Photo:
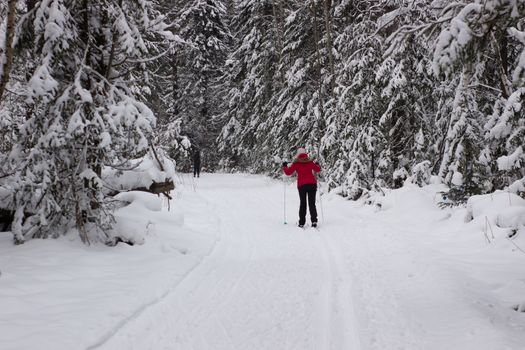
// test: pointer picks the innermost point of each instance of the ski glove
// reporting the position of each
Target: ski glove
(285, 164)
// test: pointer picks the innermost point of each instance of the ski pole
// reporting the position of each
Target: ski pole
(193, 184)
(321, 177)
(284, 199)
(321, 203)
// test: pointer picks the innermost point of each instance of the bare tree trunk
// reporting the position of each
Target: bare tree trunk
(277, 15)
(501, 57)
(112, 51)
(313, 9)
(8, 49)
(111, 56)
(277, 23)
(175, 86)
(328, 27)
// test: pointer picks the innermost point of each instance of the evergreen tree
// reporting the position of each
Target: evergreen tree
(164, 99)
(298, 116)
(403, 76)
(200, 64)
(475, 33)
(84, 113)
(251, 82)
(459, 167)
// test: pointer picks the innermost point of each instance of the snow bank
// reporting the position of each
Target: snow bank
(409, 204)
(500, 212)
(60, 294)
(489, 204)
(135, 221)
(141, 199)
(430, 264)
(499, 209)
(483, 243)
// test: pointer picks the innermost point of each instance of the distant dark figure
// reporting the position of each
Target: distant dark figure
(196, 163)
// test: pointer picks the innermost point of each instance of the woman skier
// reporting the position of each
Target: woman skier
(306, 183)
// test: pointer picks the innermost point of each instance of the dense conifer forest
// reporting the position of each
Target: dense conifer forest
(380, 92)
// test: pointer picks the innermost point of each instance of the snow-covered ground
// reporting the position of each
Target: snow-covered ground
(221, 271)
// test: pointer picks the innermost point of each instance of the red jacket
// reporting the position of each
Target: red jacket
(305, 169)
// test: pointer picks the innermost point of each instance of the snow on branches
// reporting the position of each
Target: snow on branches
(86, 111)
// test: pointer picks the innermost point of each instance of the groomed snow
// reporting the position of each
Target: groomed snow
(221, 271)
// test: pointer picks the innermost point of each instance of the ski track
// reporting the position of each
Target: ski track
(343, 332)
(368, 279)
(356, 283)
(139, 311)
(263, 286)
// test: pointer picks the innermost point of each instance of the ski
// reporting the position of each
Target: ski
(305, 227)
(301, 227)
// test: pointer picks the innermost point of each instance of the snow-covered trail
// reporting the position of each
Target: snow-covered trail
(231, 276)
(366, 280)
(264, 286)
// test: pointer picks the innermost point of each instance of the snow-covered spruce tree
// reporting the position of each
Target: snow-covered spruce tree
(505, 129)
(164, 102)
(365, 163)
(353, 144)
(460, 167)
(381, 129)
(252, 79)
(299, 112)
(360, 83)
(200, 63)
(475, 44)
(404, 76)
(289, 82)
(90, 71)
(164, 99)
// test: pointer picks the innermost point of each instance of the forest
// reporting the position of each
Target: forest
(381, 92)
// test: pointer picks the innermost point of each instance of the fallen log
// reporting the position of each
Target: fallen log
(162, 187)
(157, 188)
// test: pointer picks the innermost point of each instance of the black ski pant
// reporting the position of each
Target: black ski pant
(197, 170)
(309, 191)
